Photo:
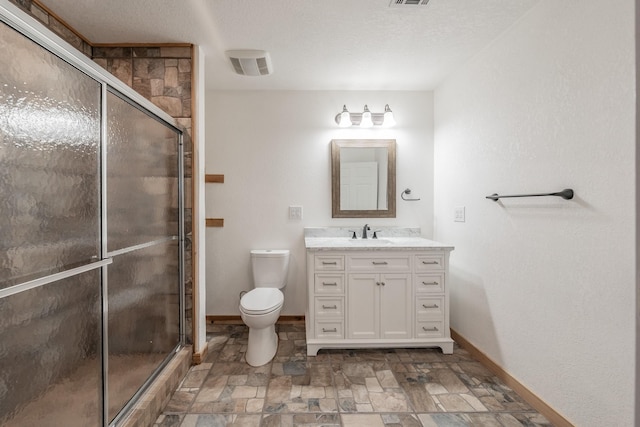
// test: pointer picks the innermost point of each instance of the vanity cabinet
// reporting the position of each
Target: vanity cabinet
(378, 298)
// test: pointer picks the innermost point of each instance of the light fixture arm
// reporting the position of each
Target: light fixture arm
(356, 118)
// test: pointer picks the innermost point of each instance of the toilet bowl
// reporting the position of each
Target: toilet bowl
(260, 308)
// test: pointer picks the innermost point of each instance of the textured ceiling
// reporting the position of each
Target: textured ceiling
(314, 44)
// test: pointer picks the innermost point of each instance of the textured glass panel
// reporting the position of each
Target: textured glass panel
(50, 365)
(142, 177)
(144, 313)
(49, 174)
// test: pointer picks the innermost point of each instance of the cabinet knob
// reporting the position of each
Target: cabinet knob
(430, 283)
(329, 263)
(330, 330)
(379, 262)
(329, 284)
(430, 306)
(434, 329)
(430, 262)
(330, 307)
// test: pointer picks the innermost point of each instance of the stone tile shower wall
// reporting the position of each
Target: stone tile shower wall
(56, 25)
(161, 74)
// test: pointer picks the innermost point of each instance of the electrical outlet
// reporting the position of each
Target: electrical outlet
(295, 213)
(458, 214)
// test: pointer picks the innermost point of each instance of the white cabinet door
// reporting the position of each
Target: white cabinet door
(363, 297)
(395, 306)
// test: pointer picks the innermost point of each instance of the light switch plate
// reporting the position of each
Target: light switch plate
(295, 213)
(459, 215)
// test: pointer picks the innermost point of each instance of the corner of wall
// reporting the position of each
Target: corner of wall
(199, 242)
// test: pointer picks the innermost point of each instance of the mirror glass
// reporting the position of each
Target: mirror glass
(363, 178)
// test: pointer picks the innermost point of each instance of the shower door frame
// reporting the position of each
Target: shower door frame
(42, 36)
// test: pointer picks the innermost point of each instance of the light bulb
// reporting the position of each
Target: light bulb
(388, 120)
(366, 121)
(345, 118)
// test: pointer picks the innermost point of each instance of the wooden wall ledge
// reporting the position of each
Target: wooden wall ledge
(214, 178)
(215, 222)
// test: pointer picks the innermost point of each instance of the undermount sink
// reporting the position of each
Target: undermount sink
(369, 242)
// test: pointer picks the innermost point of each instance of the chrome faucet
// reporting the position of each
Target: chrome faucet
(364, 231)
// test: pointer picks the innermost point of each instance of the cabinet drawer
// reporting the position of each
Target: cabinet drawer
(429, 329)
(429, 283)
(429, 262)
(330, 329)
(329, 283)
(379, 263)
(329, 307)
(429, 308)
(329, 262)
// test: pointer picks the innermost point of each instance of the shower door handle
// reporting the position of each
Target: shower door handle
(36, 283)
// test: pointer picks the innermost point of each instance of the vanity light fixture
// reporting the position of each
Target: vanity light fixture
(365, 119)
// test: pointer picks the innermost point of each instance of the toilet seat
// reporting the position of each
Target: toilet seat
(261, 301)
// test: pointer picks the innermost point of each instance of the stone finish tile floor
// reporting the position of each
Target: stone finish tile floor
(380, 387)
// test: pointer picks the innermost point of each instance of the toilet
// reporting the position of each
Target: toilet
(260, 307)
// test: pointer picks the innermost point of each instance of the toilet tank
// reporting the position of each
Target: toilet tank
(270, 267)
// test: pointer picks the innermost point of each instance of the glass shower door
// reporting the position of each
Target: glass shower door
(91, 236)
(50, 219)
(143, 239)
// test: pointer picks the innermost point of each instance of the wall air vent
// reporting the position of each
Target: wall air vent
(249, 62)
(399, 3)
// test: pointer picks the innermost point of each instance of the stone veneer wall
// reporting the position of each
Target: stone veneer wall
(56, 25)
(160, 73)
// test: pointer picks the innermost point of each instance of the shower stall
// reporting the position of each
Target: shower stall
(91, 235)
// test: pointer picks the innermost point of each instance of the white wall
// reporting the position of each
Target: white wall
(546, 287)
(274, 150)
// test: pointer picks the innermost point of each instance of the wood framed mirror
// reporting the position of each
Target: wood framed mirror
(363, 178)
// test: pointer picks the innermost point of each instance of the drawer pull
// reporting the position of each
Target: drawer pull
(434, 329)
(430, 306)
(329, 263)
(379, 262)
(330, 330)
(430, 283)
(431, 262)
(330, 307)
(329, 284)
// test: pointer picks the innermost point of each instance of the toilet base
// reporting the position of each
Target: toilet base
(262, 345)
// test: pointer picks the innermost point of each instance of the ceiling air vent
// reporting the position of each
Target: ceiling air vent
(249, 62)
(398, 3)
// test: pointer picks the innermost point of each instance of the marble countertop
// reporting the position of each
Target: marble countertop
(389, 238)
(380, 244)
